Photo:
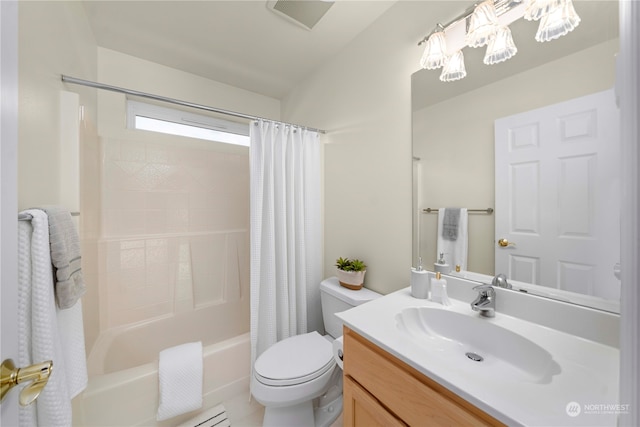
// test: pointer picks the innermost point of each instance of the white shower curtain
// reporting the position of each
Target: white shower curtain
(285, 233)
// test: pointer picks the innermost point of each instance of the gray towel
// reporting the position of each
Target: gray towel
(65, 257)
(450, 223)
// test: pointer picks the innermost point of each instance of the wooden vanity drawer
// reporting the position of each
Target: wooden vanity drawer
(404, 391)
(362, 409)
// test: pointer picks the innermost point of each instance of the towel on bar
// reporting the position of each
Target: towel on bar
(455, 251)
(450, 223)
(180, 380)
(39, 335)
(65, 256)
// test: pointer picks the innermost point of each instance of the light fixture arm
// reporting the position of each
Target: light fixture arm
(502, 7)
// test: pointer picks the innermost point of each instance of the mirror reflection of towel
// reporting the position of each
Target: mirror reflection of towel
(450, 223)
(455, 251)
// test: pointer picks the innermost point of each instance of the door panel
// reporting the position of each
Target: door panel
(8, 198)
(557, 195)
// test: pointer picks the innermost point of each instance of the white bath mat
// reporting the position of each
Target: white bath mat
(214, 417)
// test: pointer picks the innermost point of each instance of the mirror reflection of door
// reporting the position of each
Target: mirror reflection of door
(557, 195)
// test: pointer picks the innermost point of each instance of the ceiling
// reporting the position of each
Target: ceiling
(241, 43)
(244, 44)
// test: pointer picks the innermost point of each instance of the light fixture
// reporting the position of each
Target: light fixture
(558, 22)
(536, 9)
(483, 24)
(487, 23)
(435, 51)
(453, 68)
(501, 47)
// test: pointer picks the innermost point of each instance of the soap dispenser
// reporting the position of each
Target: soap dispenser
(419, 281)
(441, 265)
(439, 290)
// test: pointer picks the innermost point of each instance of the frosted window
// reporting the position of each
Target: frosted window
(176, 122)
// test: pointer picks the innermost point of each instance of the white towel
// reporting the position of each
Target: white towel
(180, 380)
(455, 251)
(71, 328)
(38, 323)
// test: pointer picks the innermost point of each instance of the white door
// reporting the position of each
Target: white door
(8, 198)
(557, 195)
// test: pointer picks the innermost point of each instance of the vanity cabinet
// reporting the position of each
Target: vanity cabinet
(382, 390)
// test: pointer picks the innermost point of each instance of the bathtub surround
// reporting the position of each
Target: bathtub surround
(285, 232)
(175, 227)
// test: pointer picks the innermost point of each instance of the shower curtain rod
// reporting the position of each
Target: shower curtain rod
(76, 81)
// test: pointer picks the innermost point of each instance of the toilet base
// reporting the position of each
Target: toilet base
(304, 414)
(325, 415)
(319, 412)
(289, 416)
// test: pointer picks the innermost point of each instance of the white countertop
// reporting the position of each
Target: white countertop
(588, 370)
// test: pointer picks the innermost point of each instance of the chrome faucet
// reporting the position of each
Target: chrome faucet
(501, 281)
(485, 303)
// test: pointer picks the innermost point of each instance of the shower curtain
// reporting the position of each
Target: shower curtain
(285, 233)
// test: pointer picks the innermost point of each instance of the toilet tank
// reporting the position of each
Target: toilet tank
(335, 298)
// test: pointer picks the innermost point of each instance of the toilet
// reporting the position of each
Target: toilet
(298, 379)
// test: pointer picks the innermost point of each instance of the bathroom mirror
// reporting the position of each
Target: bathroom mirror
(454, 139)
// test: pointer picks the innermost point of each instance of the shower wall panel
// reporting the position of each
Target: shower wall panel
(175, 221)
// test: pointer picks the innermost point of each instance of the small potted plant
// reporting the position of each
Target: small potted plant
(351, 273)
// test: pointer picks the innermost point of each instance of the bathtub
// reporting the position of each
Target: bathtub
(129, 397)
(123, 365)
(129, 346)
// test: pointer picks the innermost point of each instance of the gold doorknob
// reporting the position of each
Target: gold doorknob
(504, 243)
(11, 376)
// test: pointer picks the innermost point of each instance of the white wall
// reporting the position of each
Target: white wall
(55, 39)
(362, 97)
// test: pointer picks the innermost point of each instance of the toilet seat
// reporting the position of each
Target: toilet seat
(295, 360)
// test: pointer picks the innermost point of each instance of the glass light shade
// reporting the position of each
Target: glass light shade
(559, 22)
(453, 68)
(483, 24)
(536, 9)
(434, 52)
(501, 47)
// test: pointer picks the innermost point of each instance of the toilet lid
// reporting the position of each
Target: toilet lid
(295, 360)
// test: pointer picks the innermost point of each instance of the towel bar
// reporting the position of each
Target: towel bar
(435, 210)
(28, 217)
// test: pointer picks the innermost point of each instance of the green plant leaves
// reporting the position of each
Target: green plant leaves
(346, 264)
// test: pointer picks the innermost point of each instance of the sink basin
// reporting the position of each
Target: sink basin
(476, 345)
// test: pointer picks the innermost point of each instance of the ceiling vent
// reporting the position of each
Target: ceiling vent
(305, 13)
